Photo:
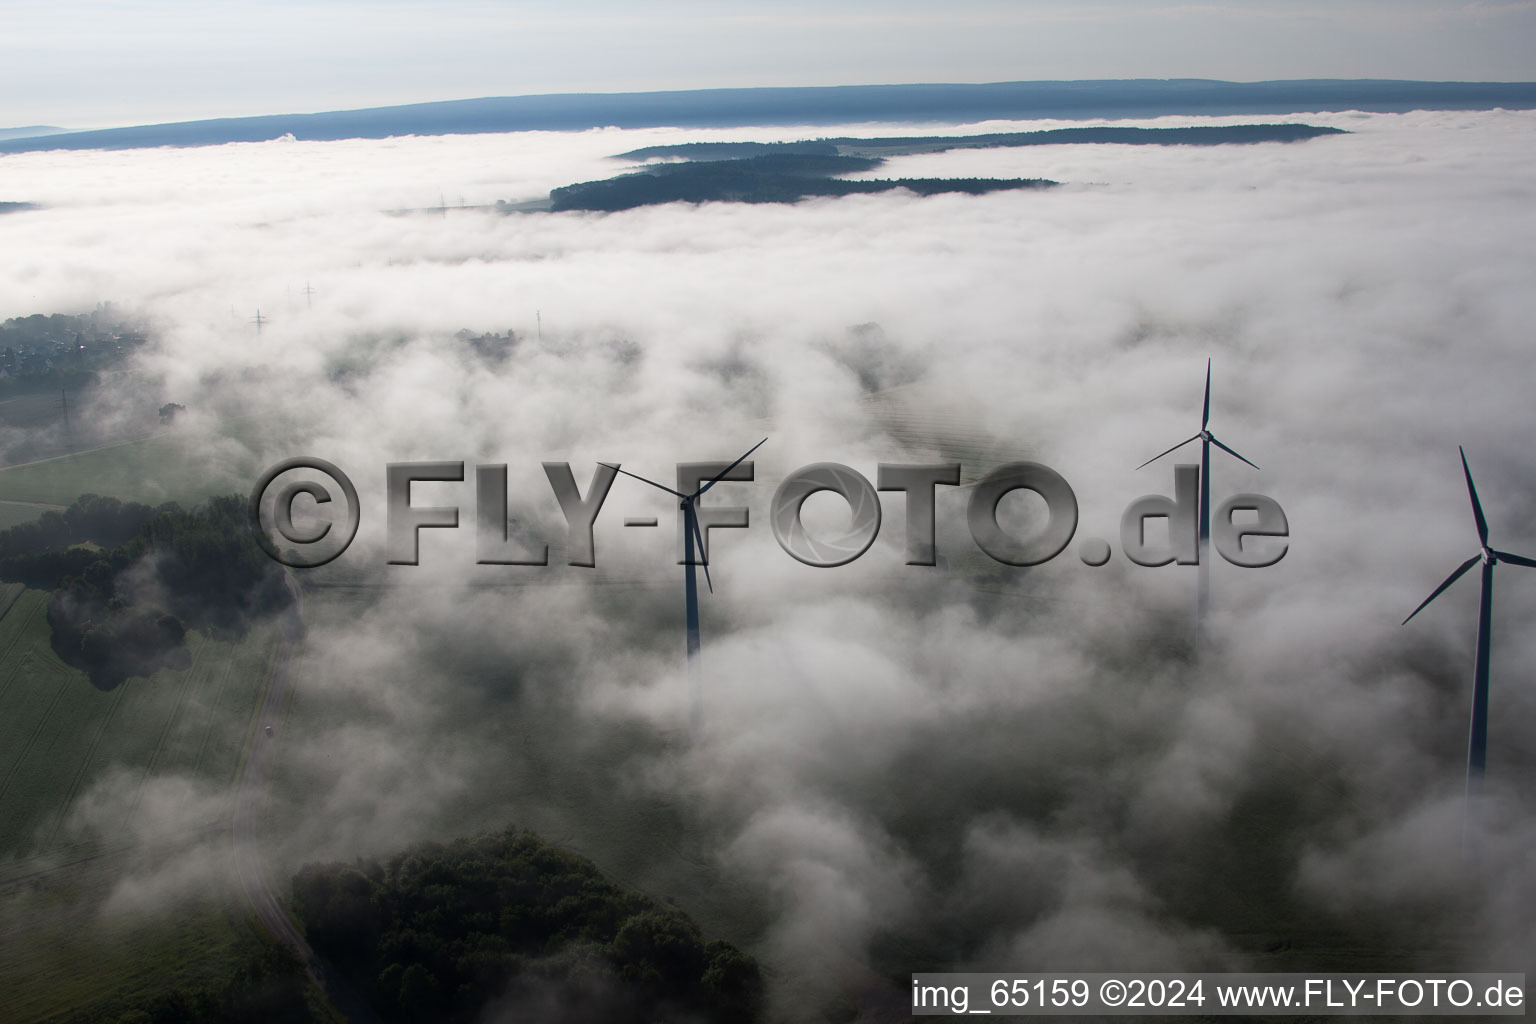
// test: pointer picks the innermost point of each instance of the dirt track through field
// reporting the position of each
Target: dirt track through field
(248, 860)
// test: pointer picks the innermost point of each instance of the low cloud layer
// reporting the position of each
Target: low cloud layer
(900, 767)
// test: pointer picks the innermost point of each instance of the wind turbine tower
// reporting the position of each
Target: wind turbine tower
(692, 556)
(1203, 547)
(1477, 738)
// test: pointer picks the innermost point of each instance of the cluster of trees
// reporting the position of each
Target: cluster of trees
(490, 346)
(446, 932)
(104, 521)
(779, 177)
(772, 178)
(129, 580)
(110, 639)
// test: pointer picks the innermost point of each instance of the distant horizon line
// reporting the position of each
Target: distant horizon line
(750, 106)
(786, 88)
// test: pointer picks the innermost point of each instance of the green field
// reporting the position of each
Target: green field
(60, 958)
(58, 732)
(62, 954)
(59, 736)
(152, 470)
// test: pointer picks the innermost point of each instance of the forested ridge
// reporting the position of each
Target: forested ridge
(779, 177)
(1192, 135)
(786, 172)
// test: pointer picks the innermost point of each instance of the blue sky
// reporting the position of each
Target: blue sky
(90, 63)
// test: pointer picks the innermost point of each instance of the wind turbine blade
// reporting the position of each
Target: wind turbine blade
(698, 535)
(1175, 448)
(1205, 416)
(720, 475)
(615, 467)
(1229, 451)
(1477, 506)
(1452, 578)
(1505, 556)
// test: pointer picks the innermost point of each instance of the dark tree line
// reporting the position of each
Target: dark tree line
(506, 923)
(1196, 135)
(104, 521)
(129, 580)
(771, 178)
(729, 150)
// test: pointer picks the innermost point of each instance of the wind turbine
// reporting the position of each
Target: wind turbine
(1477, 740)
(692, 534)
(1203, 552)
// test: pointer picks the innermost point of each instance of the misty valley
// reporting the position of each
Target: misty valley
(347, 674)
